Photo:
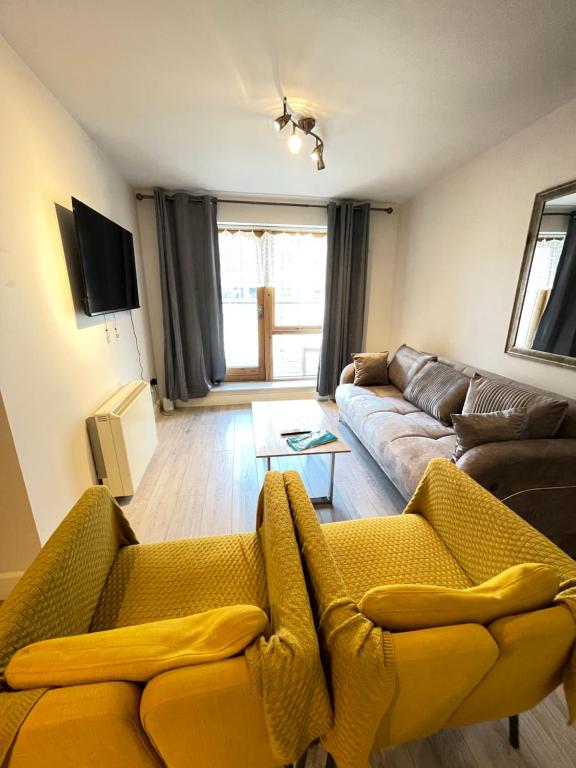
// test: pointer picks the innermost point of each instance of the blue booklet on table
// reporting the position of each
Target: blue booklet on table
(311, 440)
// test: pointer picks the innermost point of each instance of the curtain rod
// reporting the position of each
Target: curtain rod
(140, 196)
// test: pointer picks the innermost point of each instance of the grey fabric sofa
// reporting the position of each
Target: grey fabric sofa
(535, 478)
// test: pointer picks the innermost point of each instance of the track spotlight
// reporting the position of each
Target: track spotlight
(317, 155)
(306, 126)
(282, 121)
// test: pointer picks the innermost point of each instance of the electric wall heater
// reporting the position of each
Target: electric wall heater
(123, 438)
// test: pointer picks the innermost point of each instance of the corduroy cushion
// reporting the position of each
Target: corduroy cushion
(405, 364)
(438, 390)
(139, 652)
(404, 607)
(370, 369)
(474, 429)
(545, 413)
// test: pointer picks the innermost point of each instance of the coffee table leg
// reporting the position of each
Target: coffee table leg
(331, 494)
(320, 500)
(268, 463)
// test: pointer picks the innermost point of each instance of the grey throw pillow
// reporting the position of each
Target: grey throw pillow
(545, 413)
(439, 390)
(405, 364)
(474, 429)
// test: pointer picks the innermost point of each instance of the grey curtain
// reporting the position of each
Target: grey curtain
(347, 258)
(557, 329)
(191, 293)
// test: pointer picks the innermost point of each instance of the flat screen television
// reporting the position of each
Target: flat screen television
(107, 262)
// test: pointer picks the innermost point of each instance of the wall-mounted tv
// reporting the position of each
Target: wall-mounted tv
(107, 262)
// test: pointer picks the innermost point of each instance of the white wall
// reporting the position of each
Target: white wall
(55, 364)
(19, 540)
(382, 248)
(460, 249)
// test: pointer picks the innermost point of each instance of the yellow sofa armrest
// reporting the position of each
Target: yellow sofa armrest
(482, 534)
(137, 653)
(404, 607)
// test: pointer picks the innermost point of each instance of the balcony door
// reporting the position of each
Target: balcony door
(273, 285)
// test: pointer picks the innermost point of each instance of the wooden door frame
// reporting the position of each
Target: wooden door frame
(255, 373)
(267, 329)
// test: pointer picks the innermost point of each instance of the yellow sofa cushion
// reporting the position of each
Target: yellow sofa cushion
(139, 652)
(85, 726)
(401, 607)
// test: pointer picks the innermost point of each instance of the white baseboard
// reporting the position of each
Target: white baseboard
(8, 581)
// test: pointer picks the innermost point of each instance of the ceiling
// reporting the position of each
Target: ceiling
(182, 93)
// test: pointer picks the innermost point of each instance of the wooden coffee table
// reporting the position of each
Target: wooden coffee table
(270, 418)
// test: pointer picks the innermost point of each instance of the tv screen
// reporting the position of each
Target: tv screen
(107, 262)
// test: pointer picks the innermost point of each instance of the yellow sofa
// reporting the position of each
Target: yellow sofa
(392, 687)
(259, 709)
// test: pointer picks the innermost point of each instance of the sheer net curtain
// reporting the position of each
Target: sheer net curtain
(294, 264)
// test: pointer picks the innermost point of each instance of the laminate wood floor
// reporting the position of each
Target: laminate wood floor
(204, 479)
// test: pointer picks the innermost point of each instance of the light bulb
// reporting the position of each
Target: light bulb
(294, 143)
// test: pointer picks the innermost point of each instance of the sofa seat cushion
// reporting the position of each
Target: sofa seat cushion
(360, 408)
(406, 459)
(150, 582)
(533, 650)
(85, 726)
(380, 429)
(227, 713)
(396, 549)
(436, 669)
(383, 398)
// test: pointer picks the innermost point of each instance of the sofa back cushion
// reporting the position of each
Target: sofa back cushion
(405, 607)
(439, 390)
(474, 429)
(405, 364)
(568, 424)
(545, 413)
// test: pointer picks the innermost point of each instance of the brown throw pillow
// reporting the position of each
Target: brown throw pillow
(370, 368)
(474, 429)
(405, 364)
(545, 413)
(439, 390)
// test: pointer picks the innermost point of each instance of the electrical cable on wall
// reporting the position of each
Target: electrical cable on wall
(137, 347)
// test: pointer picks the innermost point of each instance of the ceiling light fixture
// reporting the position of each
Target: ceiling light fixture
(306, 125)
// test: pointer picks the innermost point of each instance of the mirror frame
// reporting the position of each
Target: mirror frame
(533, 229)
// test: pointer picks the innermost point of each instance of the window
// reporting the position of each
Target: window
(273, 286)
(544, 265)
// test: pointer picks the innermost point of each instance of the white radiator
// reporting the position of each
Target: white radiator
(123, 438)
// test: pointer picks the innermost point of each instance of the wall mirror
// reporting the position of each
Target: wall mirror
(543, 324)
